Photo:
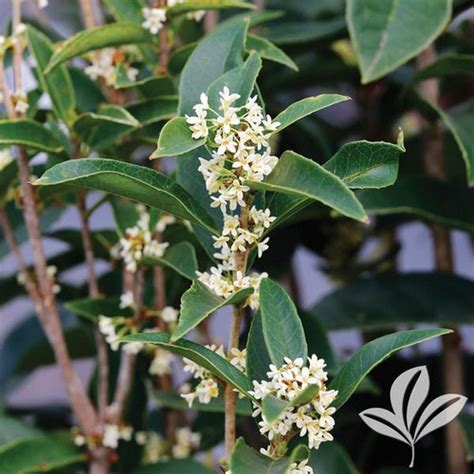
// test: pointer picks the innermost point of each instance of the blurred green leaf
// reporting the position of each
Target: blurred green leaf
(267, 50)
(180, 257)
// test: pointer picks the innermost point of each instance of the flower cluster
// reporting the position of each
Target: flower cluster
(239, 139)
(115, 328)
(139, 242)
(51, 271)
(208, 386)
(105, 65)
(155, 18)
(110, 438)
(313, 419)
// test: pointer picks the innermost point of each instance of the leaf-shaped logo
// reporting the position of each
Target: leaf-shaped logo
(406, 423)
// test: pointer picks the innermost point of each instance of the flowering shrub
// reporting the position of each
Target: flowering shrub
(190, 150)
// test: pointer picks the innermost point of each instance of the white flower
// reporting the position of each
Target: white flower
(161, 363)
(262, 246)
(169, 314)
(154, 19)
(301, 468)
(111, 436)
(126, 300)
(239, 358)
(20, 29)
(20, 100)
(185, 442)
(43, 3)
(164, 222)
(132, 347)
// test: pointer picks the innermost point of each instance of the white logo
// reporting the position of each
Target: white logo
(406, 422)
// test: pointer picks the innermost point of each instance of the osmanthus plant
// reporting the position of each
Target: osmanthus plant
(235, 187)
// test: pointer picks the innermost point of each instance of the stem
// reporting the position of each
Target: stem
(18, 51)
(452, 355)
(7, 99)
(412, 462)
(210, 20)
(88, 13)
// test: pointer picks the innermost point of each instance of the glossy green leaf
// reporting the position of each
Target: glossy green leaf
(273, 407)
(372, 354)
(132, 181)
(258, 359)
(467, 425)
(300, 177)
(176, 139)
(282, 328)
(424, 197)
(198, 303)
(216, 405)
(126, 10)
(185, 7)
(201, 355)
(449, 64)
(30, 134)
(387, 34)
(267, 50)
(305, 396)
(180, 257)
(92, 308)
(13, 429)
(332, 458)
(150, 87)
(240, 80)
(150, 111)
(245, 460)
(112, 34)
(88, 93)
(305, 107)
(39, 454)
(57, 84)
(298, 32)
(217, 53)
(364, 164)
(388, 300)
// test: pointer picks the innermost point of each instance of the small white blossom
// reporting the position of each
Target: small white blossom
(155, 18)
(127, 300)
(132, 347)
(20, 100)
(169, 314)
(161, 363)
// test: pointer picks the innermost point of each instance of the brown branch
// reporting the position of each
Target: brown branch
(452, 354)
(18, 50)
(7, 99)
(211, 20)
(88, 14)
(260, 4)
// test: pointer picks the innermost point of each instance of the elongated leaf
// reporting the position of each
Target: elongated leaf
(154, 110)
(240, 80)
(176, 139)
(112, 34)
(150, 87)
(39, 454)
(180, 257)
(424, 197)
(267, 50)
(200, 355)
(58, 84)
(444, 408)
(258, 359)
(282, 328)
(125, 10)
(372, 354)
(305, 107)
(92, 308)
(245, 460)
(132, 181)
(216, 405)
(298, 176)
(198, 303)
(28, 133)
(185, 7)
(449, 64)
(388, 300)
(387, 35)
(332, 458)
(364, 164)
(460, 122)
(217, 53)
(12, 430)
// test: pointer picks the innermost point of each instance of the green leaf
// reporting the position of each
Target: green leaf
(39, 454)
(387, 35)
(112, 34)
(7, 176)
(245, 460)
(298, 176)
(267, 50)
(388, 300)
(198, 303)
(364, 164)
(124, 10)
(332, 458)
(176, 139)
(305, 396)
(30, 134)
(185, 7)
(180, 257)
(201, 355)
(258, 359)
(92, 308)
(460, 122)
(297, 32)
(58, 84)
(305, 107)
(449, 64)
(372, 354)
(12, 430)
(467, 425)
(282, 328)
(216, 405)
(132, 181)
(217, 53)
(88, 93)
(273, 407)
(425, 197)
(150, 87)
(240, 80)
(150, 111)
